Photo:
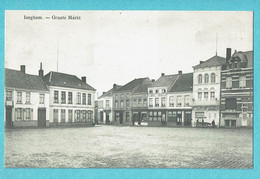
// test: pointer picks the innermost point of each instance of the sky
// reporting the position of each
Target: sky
(115, 47)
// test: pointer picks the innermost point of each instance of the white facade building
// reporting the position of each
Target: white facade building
(206, 91)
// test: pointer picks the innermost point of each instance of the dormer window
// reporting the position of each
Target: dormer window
(150, 91)
(163, 90)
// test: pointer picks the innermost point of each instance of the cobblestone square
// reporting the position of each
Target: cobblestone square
(129, 147)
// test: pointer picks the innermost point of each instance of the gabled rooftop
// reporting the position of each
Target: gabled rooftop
(65, 80)
(183, 83)
(134, 84)
(110, 92)
(246, 56)
(165, 80)
(213, 61)
(18, 79)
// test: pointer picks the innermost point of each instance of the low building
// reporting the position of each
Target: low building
(179, 97)
(71, 99)
(122, 101)
(105, 106)
(26, 99)
(237, 90)
(206, 91)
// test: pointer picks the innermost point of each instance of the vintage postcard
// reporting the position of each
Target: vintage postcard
(128, 89)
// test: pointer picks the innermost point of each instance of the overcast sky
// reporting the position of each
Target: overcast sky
(118, 46)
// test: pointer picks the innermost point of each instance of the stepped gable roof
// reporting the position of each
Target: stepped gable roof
(134, 84)
(65, 80)
(166, 80)
(214, 61)
(244, 56)
(110, 92)
(18, 79)
(183, 83)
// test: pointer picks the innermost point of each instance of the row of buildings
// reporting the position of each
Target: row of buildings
(219, 89)
(42, 100)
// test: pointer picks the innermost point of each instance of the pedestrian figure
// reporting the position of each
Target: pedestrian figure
(213, 123)
(197, 123)
(133, 121)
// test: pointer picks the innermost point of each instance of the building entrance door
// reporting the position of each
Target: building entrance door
(107, 118)
(187, 119)
(121, 118)
(8, 117)
(41, 117)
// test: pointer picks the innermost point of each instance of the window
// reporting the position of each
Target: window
(56, 96)
(199, 96)
(9, 95)
(84, 115)
(163, 102)
(206, 78)
(163, 91)
(134, 102)
(186, 100)
(63, 97)
(42, 98)
(139, 102)
(70, 115)
(231, 103)
(212, 95)
(145, 102)
(242, 81)
(150, 91)
(156, 102)
(206, 95)
(107, 103)
(200, 79)
(213, 78)
(122, 95)
(151, 102)
(121, 104)
(19, 97)
(127, 103)
(116, 104)
(179, 101)
(19, 113)
(28, 98)
(69, 97)
(62, 115)
(156, 91)
(229, 82)
(77, 115)
(84, 100)
(78, 98)
(116, 96)
(55, 115)
(171, 101)
(89, 99)
(27, 114)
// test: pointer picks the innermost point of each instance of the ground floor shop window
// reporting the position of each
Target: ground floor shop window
(230, 123)
(84, 116)
(157, 116)
(62, 115)
(77, 115)
(28, 114)
(179, 118)
(19, 113)
(127, 116)
(117, 116)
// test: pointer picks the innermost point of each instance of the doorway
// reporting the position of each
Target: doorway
(41, 117)
(8, 117)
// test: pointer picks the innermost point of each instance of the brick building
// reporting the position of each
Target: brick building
(237, 90)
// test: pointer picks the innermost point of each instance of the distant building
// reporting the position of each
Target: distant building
(122, 100)
(206, 90)
(237, 90)
(26, 99)
(71, 99)
(179, 98)
(105, 106)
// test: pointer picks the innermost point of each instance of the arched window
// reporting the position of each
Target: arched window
(206, 78)
(200, 79)
(213, 78)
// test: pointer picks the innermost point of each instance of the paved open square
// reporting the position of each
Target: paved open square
(129, 147)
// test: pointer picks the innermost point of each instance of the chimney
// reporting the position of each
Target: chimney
(84, 79)
(162, 74)
(153, 80)
(114, 87)
(179, 72)
(228, 54)
(201, 62)
(41, 71)
(22, 67)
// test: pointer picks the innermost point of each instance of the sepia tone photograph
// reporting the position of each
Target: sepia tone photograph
(128, 89)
